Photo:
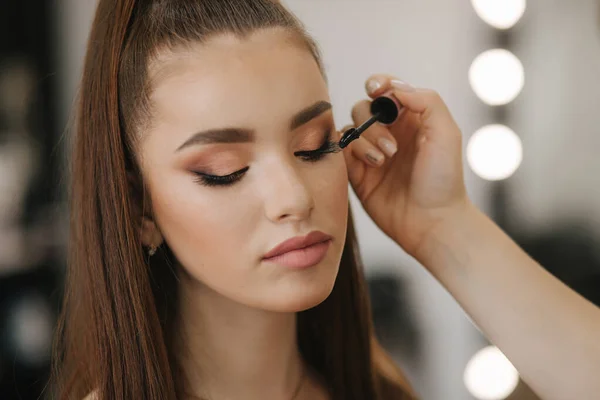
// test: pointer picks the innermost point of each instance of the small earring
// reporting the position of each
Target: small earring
(152, 251)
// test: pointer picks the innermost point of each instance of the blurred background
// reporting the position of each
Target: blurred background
(520, 77)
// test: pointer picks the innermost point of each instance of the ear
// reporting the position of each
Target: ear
(150, 233)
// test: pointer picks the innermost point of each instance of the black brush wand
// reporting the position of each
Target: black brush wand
(384, 109)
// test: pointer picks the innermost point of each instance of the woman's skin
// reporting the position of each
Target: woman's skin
(549, 332)
(237, 312)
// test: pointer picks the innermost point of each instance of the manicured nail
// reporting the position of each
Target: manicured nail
(387, 146)
(374, 157)
(405, 87)
(372, 85)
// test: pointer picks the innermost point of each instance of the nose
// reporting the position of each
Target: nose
(287, 196)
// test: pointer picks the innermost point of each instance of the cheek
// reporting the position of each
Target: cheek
(201, 228)
(339, 180)
(331, 192)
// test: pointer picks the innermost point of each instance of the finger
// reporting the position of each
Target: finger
(377, 134)
(378, 84)
(416, 100)
(428, 103)
(367, 152)
(363, 151)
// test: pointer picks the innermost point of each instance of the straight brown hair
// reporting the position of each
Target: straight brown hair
(114, 331)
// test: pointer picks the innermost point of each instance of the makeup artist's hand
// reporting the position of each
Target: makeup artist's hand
(417, 196)
(414, 189)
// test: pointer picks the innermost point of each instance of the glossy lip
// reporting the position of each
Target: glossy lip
(298, 242)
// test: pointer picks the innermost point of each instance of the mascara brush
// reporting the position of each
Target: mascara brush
(384, 109)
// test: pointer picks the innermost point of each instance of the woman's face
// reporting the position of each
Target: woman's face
(245, 105)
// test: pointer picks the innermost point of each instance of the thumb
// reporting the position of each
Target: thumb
(425, 102)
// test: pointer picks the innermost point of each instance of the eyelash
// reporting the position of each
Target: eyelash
(226, 180)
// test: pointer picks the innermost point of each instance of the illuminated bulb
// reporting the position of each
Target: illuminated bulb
(30, 330)
(489, 375)
(494, 152)
(496, 76)
(501, 14)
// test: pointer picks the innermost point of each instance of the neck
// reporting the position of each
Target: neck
(220, 342)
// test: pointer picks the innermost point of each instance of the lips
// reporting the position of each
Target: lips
(298, 242)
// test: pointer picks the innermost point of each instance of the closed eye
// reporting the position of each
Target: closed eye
(220, 180)
(308, 155)
(315, 155)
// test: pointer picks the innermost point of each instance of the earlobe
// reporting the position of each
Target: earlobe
(150, 234)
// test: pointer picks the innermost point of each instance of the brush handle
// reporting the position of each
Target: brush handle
(385, 110)
(348, 137)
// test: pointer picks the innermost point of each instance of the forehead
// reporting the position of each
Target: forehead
(236, 81)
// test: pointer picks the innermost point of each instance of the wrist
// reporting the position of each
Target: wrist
(445, 232)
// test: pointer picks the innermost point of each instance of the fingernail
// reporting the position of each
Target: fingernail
(402, 86)
(372, 85)
(387, 146)
(374, 157)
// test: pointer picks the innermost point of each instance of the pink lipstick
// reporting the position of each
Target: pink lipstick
(301, 251)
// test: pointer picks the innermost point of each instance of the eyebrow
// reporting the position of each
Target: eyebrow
(309, 113)
(244, 135)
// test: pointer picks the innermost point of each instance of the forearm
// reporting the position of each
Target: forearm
(549, 332)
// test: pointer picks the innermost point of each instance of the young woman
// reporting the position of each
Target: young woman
(213, 254)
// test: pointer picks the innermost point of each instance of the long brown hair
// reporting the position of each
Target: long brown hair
(115, 326)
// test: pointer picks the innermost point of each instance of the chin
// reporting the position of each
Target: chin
(300, 296)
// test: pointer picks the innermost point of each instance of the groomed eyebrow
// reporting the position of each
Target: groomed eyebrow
(309, 113)
(244, 135)
(221, 135)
